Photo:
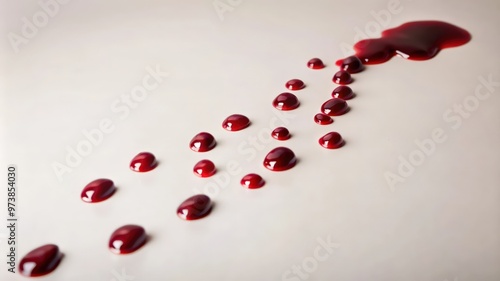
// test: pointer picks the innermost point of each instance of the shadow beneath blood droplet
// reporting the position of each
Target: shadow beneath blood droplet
(63, 255)
(297, 161)
(149, 238)
(212, 206)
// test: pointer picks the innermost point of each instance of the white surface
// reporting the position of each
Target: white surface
(442, 223)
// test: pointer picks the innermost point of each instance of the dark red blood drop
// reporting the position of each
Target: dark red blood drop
(40, 261)
(280, 159)
(127, 239)
(281, 133)
(323, 119)
(205, 168)
(342, 77)
(343, 92)
(236, 122)
(334, 107)
(419, 40)
(331, 140)
(252, 181)
(295, 84)
(315, 63)
(286, 101)
(351, 64)
(195, 207)
(202, 142)
(143, 162)
(98, 190)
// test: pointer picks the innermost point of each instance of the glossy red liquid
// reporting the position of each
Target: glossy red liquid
(143, 162)
(286, 101)
(331, 140)
(98, 190)
(315, 63)
(342, 77)
(343, 92)
(351, 64)
(419, 40)
(195, 207)
(280, 159)
(40, 261)
(334, 107)
(295, 84)
(252, 181)
(127, 239)
(323, 119)
(281, 133)
(236, 122)
(202, 142)
(205, 168)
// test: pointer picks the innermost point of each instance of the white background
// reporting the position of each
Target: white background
(441, 223)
